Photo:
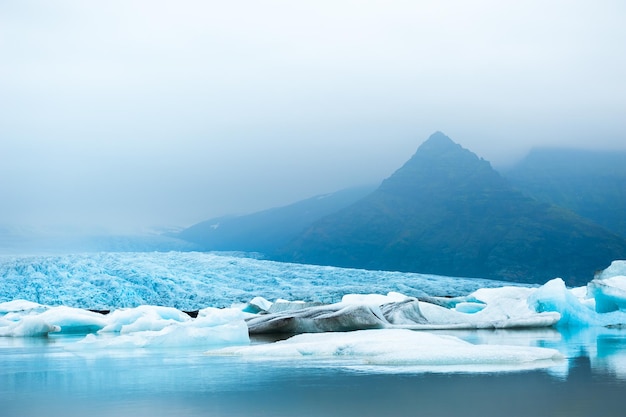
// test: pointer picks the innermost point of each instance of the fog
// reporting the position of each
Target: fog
(127, 115)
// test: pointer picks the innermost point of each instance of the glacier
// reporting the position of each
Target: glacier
(193, 280)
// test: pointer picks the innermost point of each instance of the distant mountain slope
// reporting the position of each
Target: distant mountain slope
(447, 212)
(16, 240)
(267, 230)
(590, 183)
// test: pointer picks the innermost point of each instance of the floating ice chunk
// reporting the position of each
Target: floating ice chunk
(74, 320)
(469, 307)
(282, 306)
(331, 318)
(554, 296)
(509, 300)
(609, 293)
(143, 318)
(582, 293)
(373, 299)
(193, 333)
(28, 326)
(20, 306)
(403, 313)
(608, 288)
(615, 269)
(506, 309)
(201, 334)
(399, 348)
(257, 305)
(212, 316)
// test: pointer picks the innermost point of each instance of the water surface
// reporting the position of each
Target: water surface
(41, 377)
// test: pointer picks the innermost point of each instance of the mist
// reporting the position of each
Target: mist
(130, 115)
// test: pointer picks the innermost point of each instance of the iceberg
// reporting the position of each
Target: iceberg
(149, 327)
(20, 306)
(490, 309)
(608, 288)
(601, 303)
(142, 318)
(73, 320)
(403, 348)
(181, 335)
(576, 309)
(30, 326)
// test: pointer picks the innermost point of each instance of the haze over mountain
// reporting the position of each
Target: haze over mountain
(130, 115)
(268, 230)
(448, 212)
(590, 183)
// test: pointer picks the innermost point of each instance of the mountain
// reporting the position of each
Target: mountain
(590, 183)
(448, 212)
(268, 230)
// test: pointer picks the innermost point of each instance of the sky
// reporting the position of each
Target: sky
(127, 115)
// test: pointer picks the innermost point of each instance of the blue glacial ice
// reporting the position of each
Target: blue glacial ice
(191, 280)
(601, 303)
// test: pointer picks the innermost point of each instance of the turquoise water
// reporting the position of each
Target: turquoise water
(40, 377)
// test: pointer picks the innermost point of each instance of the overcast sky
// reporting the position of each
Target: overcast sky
(131, 114)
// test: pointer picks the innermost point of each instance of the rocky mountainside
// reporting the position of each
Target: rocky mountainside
(447, 211)
(268, 230)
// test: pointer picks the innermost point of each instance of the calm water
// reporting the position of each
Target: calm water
(40, 377)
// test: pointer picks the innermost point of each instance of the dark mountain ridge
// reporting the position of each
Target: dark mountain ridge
(447, 212)
(268, 230)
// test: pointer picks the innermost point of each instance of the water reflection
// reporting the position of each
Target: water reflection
(42, 377)
(604, 348)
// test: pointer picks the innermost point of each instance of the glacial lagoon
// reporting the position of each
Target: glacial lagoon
(146, 360)
(41, 377)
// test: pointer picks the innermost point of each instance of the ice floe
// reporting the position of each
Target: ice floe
(196, 333)
(398, 348)
(494, 308)
(30, 326)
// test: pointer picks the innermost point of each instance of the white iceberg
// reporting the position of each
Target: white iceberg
(575, 311)
(496, 308)
(29, 326)
(20, 306)
(393, 348)
(608, 288)
(73, 320)
(148, 327)
(188, 334)
(143, 318)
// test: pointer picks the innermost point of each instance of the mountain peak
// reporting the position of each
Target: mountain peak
(439, 162)
(438, 142)
(448, 212)
(439, 138)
